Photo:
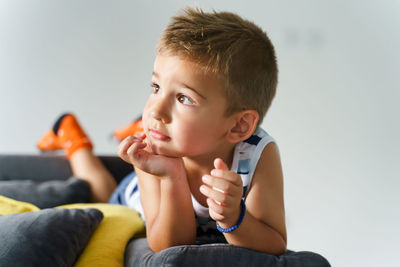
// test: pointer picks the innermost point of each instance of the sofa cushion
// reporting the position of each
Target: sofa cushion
(47, 194)
(49, 237)
(11, 206)
(108, 242)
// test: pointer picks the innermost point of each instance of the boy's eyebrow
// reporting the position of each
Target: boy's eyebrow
(155, 74)
(194, 90)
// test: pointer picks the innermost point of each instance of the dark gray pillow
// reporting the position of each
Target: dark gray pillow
(47, 194)
(138, 254)
(49, 237)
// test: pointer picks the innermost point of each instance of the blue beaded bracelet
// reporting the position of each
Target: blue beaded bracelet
(231, 229)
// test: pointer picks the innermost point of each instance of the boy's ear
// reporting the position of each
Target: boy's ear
(245, 123)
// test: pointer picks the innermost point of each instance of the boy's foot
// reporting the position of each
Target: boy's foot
(128, 130)
(66, 134)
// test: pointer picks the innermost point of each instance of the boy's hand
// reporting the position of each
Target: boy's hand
(135, 151)
(223, 189)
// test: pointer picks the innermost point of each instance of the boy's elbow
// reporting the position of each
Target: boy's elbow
(276, 247)
(279, 249)
(155, 247)
(157, 244)
(280, 244)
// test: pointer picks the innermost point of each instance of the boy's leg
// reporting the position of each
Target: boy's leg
(88, 167)
(68, 135)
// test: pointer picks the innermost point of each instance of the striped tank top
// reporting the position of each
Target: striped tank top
(245, 159)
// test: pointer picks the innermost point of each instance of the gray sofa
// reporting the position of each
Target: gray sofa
(43, 175)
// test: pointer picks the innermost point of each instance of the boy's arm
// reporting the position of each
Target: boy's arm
(263, 226)
(165, 195)
(168, 210)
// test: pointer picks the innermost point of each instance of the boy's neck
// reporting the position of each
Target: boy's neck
(198, 166)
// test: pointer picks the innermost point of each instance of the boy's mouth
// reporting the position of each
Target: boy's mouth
(158, 135)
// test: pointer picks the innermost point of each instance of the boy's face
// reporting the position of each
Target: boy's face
(185, 114)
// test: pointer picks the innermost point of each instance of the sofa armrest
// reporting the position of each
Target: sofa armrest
(51, 167)
(138, 254)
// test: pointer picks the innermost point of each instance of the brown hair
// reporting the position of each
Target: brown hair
(228, 45)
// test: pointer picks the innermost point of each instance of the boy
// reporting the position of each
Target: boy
(202, 162)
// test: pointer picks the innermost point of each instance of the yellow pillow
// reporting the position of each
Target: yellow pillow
(10, 206)
(107, 245)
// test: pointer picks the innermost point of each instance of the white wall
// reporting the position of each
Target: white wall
(335, 114)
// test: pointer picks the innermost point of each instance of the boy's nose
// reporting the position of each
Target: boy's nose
(160, 111)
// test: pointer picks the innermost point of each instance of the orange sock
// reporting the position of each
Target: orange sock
(130, 129)
(66, 134)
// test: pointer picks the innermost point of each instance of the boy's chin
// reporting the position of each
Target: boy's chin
(165, 152)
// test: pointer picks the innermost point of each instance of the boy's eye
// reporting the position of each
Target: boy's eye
(185, 100)
(155, 87)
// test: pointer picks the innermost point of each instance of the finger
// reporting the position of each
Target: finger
(222, 185)
(227, 216)
(220, 164)
(215, 211)
(123, 147)
(228, 175)
(141, 135)
(127, 142)
(214, 206)
(219, 197)
(128, 145)
(133, 149)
